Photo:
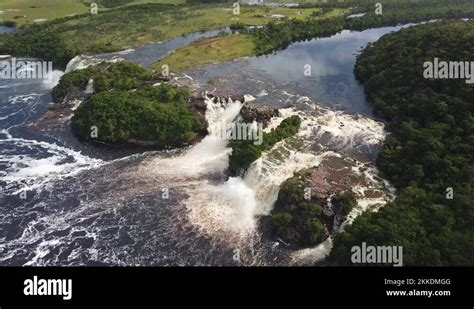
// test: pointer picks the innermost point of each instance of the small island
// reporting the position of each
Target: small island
(127, 105)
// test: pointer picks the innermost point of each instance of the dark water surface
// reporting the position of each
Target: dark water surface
(282, 75)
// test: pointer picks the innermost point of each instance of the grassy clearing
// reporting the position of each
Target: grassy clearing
(227, 48)
(27, 11)
(31, 11)
(136, 25)
(208, 51)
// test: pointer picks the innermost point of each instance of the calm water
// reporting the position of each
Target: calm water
(282, 75)
(5, 29)
(148, 54)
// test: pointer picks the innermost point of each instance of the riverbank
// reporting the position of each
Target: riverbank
(68, 37)
(208, 51)
(429, 155)
(268, 39)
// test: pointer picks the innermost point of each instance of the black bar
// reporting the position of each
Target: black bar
(267, 285)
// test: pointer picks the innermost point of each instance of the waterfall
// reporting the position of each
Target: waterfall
(90, 87)
(229, 210)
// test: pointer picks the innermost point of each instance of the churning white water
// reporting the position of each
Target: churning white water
(29, 163)
(229, 209)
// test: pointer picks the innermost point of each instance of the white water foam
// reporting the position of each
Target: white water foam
(29, 164)
(83, 62)
(36, 162)
(230, 211)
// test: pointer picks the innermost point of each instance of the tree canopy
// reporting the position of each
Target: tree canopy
(125, 107)
(430, 152)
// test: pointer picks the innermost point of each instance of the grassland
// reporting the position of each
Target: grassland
(32, 11)
(226, 48)
(136, 25)
(208, 51)
(27, 11)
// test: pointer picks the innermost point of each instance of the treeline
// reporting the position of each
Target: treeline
(244, 152)
(394, 13)
(277, 36)
(429, 155)
(109, 3)
(8, 23)
(122, 116)
(62, 39)
(160, 115)
(208, 1)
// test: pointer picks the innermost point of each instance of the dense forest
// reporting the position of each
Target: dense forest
(10, 24)
(429, 155)
(301, 218)
(61, 39)
(279, 35)
(244, 152)
(158, 114)
(121, 76)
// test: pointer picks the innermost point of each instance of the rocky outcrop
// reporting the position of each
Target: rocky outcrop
(261, 115)
(200, 107)
(311, 205)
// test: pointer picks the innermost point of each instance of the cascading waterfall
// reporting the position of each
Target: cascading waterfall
(90, 86)
(229, 212)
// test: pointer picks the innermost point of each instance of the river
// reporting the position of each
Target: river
(65, 206)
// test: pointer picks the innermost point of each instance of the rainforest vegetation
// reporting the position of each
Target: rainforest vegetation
(429, 155)
(279, 35)
(121, 76)
(244, 152)
(61, 39)
(158, 114)
(300, 219)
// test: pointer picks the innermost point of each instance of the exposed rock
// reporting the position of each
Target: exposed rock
(313, 203)
(259, 114)
(326, 180)
(199, 104)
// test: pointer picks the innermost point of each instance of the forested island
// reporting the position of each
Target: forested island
(126, 107)
(429, 155)
(280, 35)
(244, 152)
(305, 218)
